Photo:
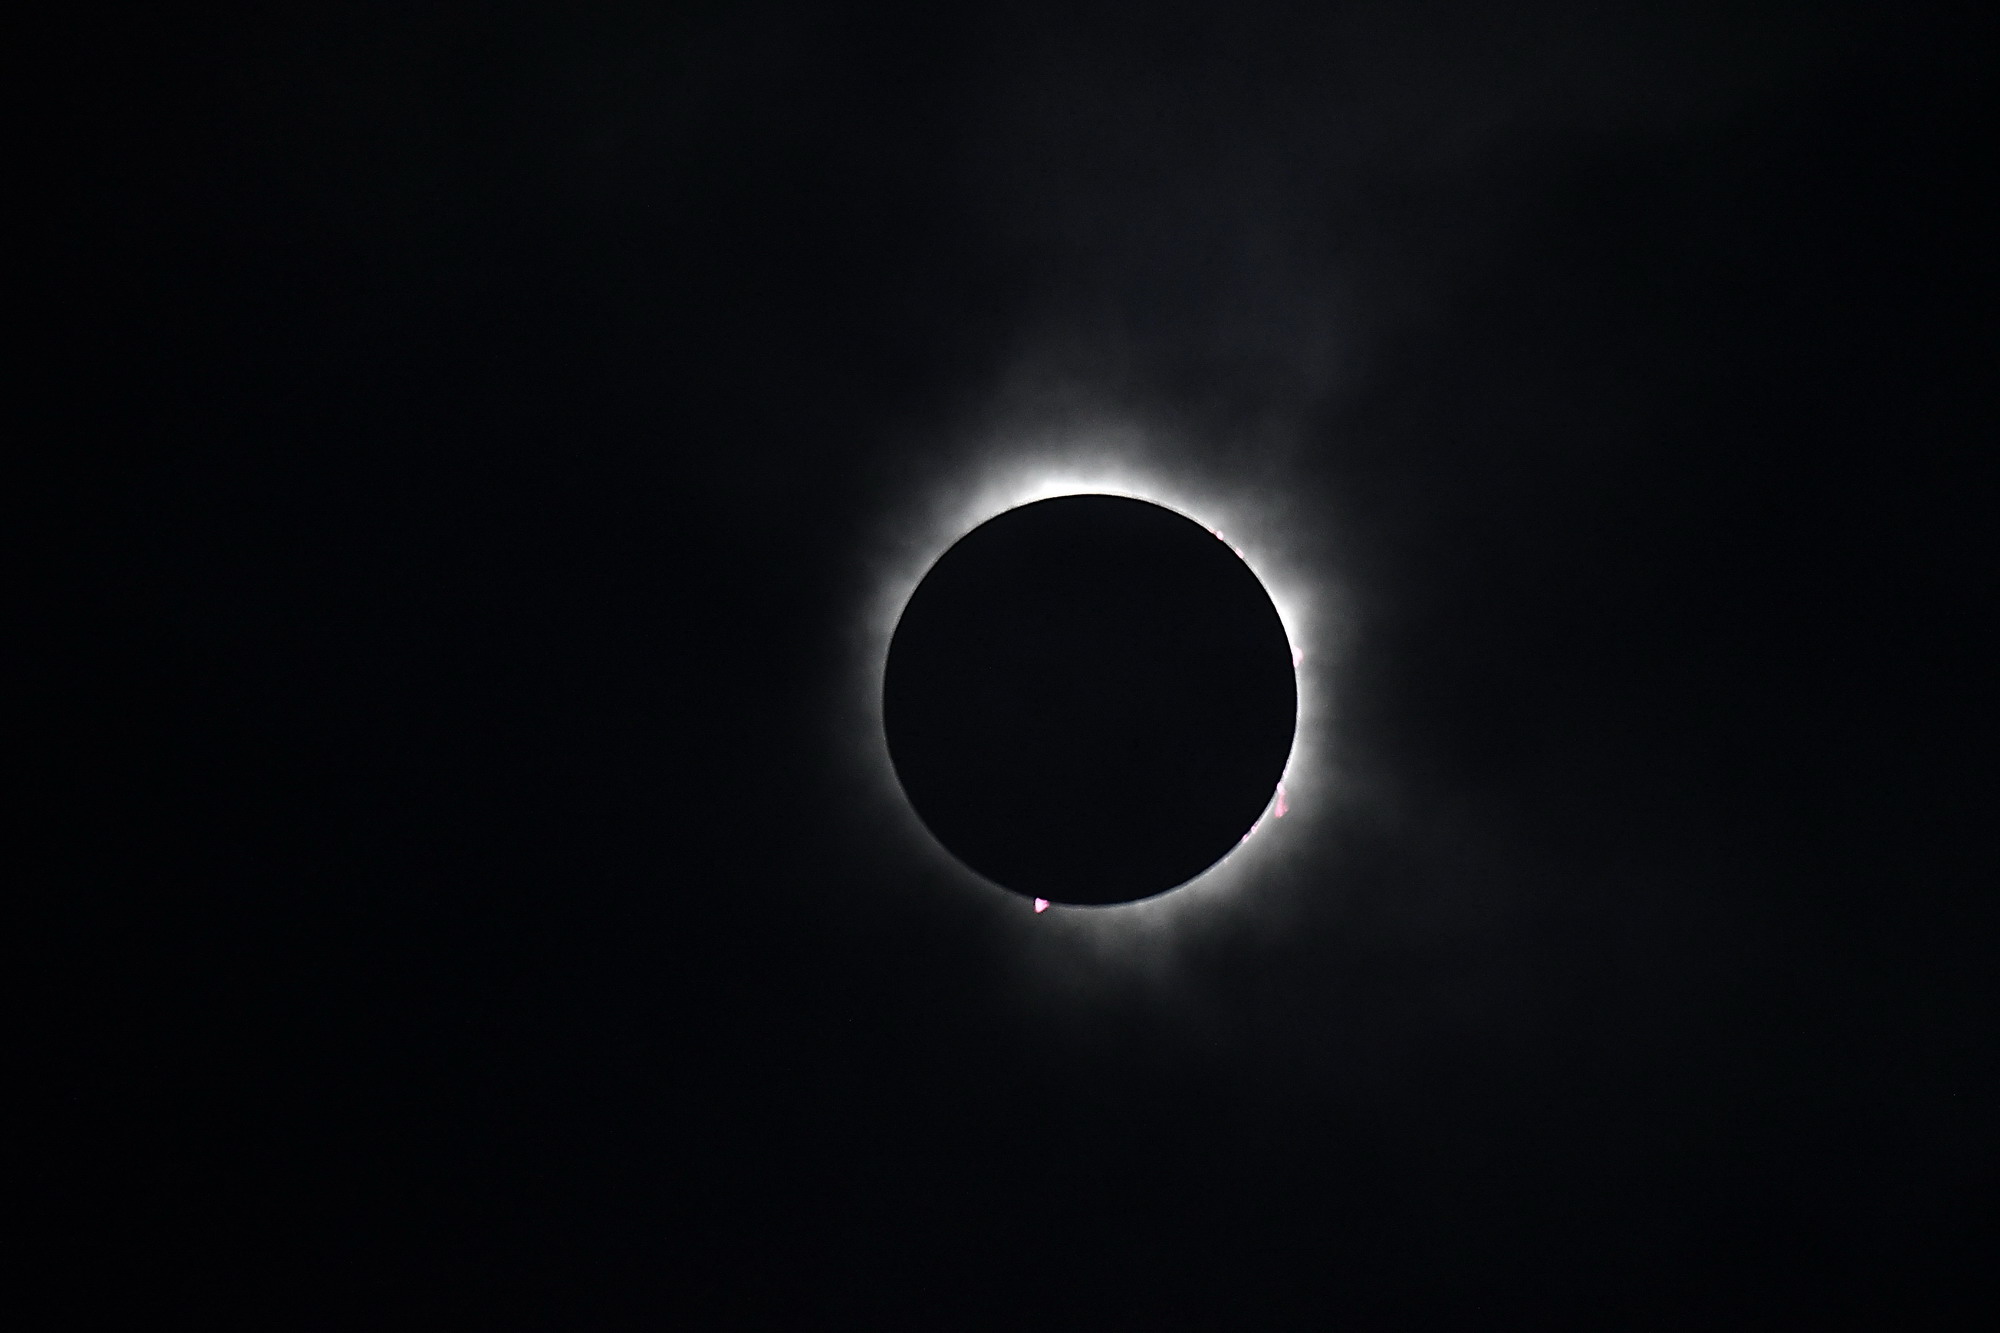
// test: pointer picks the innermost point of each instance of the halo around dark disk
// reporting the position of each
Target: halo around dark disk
(1089, 699)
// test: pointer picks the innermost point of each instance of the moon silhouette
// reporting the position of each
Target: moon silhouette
(1089, 699)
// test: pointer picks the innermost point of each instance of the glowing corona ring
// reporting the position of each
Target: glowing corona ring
(1261, 525)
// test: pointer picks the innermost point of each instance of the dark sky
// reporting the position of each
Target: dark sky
(499, 429)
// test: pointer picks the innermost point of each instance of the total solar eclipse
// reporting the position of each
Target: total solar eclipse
(1089, 699)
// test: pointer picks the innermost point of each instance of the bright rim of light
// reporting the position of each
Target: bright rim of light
(1253, 515)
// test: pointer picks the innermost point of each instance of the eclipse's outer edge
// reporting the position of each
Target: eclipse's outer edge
(1267, 528)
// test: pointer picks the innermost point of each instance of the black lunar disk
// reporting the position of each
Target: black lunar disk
(1089, 699)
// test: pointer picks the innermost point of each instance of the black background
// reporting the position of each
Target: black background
(466, 431)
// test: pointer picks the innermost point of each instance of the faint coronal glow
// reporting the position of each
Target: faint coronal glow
(1254, 515)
